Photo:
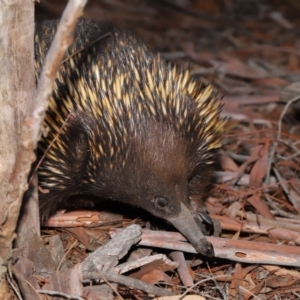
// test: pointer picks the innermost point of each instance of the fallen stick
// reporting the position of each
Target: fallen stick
(236, 250)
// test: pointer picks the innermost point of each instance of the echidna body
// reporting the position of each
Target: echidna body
(124, 125)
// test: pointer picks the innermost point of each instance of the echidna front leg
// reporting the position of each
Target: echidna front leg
(206, 224)
(202, 218)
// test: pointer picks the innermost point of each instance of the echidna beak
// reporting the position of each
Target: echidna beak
(186, 224)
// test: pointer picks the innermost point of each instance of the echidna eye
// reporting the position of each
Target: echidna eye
(161, 202)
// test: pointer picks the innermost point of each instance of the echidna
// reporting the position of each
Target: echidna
(125, 125)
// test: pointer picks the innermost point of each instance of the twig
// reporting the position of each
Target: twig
(129, 282)
(110, 285)
(60, 294)
(261, 221)
(278, 211)
(286, 107)
(182, 269)
(50, 146)
(35, 291)
(272, 155)
(198, 283)
(62, 40)
(13, 287)
(270, 162)
(292, 156)
(215, 282)
(85, 47)
(284, 187)
(65, 255)
(248, 292)
(237, 157)
(273, 149)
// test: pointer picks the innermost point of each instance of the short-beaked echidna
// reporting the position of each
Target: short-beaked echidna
(125, 125)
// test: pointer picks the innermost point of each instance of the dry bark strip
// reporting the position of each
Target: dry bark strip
(236, 250)
(260, 225)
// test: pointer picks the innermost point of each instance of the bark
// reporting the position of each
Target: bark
(16, 93)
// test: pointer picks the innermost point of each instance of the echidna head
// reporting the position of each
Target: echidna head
(153, 171)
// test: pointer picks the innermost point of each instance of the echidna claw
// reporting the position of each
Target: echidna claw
(207, 225)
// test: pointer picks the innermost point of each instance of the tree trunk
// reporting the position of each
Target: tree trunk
(17, 88)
